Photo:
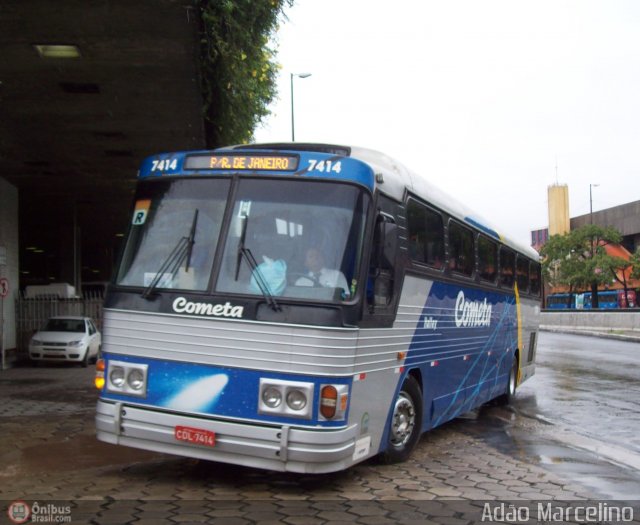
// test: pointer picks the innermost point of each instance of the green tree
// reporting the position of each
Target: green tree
(635, 263)
(617, 269)
(579, 259)
(239, 70)
(559, 266)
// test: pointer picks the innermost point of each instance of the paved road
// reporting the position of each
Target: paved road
(591, 385)
(48, 453)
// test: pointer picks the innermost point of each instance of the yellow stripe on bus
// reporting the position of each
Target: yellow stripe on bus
(519, 318)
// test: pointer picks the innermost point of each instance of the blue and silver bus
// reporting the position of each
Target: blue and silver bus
(304, 307)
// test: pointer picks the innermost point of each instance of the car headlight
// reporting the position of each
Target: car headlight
(36, 342)
(75, 344)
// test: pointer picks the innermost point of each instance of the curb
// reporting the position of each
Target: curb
(591, 333)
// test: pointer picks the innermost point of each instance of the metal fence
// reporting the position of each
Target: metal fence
(31, 314)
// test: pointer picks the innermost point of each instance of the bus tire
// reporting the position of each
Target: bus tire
(510, 392)
(406, 423)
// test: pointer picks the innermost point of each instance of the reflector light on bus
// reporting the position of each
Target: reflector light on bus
(328, 401)
(334, 401)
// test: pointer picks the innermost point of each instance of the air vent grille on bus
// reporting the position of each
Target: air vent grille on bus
(332, 149)
(532, 347)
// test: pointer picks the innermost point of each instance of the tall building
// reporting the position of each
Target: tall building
(558, 198)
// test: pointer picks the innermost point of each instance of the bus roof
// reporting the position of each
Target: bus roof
(393, 178)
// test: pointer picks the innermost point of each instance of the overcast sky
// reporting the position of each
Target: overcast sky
(482, 97)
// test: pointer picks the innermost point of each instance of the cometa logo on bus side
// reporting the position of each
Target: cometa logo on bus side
(472, 313)
(183, 306)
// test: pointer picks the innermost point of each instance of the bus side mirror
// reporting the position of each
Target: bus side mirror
(387, 236)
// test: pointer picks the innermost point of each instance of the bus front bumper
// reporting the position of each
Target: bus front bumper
(279, 448)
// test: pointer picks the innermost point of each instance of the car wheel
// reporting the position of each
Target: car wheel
(406, 423)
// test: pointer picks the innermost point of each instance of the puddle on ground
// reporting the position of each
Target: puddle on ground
(494, 426)
(80, 452)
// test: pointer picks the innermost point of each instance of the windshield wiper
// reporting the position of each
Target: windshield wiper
(245, 252)
(183, 249)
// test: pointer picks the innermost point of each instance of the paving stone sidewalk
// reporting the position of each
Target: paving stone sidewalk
(48, 453)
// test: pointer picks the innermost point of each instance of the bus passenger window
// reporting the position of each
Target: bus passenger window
(522, 274)
(461, 258)
(507, 267)
(487, 259)
(426, 234)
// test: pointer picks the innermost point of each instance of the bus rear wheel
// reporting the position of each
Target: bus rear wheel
(512, 382)
(406, 423)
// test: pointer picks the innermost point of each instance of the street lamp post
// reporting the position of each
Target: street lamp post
(591, 201)
(301, 75)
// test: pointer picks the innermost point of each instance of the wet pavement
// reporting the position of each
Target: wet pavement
(48, 453)
(591, 385)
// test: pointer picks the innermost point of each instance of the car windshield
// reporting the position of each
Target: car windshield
(298, 239)
(65, 325)
(174, 233)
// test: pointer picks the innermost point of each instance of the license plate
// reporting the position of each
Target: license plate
(198, 436)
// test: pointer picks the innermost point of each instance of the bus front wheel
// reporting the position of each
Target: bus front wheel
(406, 423)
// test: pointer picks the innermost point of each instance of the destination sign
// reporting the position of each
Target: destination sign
(242, 162)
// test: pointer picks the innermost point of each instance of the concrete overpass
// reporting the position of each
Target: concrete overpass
(76, 121)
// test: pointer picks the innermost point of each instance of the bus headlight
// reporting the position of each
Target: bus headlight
(296, 400)
(127, 378)
(271, 397)
(116, 376)
(285, 398)
(135, 379)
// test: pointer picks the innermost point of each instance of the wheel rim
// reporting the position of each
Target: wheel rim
(403, 420)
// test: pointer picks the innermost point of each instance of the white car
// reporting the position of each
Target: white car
(66, 338)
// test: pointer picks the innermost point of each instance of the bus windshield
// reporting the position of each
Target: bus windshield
(297, 239)
(174, 233)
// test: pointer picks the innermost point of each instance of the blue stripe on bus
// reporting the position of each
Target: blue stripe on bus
(484, 228)
(198, 389)
(311, 165)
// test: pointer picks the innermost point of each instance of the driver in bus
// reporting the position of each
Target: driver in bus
(319, 275)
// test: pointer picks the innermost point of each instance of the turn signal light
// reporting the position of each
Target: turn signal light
(328, 401)
(99, 380)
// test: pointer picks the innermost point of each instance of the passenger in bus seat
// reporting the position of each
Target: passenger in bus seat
(319, 275)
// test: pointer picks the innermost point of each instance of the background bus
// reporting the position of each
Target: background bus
(607, 299)
(611, 299)
(564, 301)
